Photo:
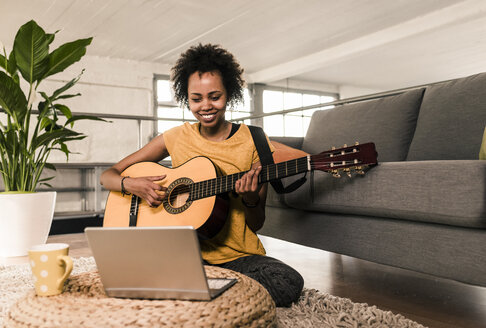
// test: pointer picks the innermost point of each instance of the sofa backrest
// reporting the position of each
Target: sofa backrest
(451, 121)
(388, 122)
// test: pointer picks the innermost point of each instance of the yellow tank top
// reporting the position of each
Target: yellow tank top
(233, 155)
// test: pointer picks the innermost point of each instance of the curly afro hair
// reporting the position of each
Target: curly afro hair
(208, 58)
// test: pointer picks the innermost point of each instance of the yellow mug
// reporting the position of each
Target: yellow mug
(51, 266)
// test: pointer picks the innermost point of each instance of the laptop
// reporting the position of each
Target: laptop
(153, 263)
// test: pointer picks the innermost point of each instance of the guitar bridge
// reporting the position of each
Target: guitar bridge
(134, 205)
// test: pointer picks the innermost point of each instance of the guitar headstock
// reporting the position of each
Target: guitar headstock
(346, 159)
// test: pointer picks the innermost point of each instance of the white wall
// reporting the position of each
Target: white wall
(108, 86)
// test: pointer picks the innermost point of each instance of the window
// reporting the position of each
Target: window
(168, 112)
(243, 110)
(293, 124)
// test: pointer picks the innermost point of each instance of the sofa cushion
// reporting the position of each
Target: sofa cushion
(448, 192)
(388, 122)
(451, 120)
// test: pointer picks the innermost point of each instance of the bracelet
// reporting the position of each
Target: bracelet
(250, 205)
(123, 190)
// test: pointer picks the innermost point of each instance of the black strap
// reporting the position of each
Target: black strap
(266, 158)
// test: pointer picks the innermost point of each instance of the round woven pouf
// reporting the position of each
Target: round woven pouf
(85, 304)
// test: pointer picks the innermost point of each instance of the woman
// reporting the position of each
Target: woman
(207, 79)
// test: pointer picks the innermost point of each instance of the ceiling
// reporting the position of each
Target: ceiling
(377, 44)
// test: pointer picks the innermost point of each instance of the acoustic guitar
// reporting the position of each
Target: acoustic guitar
(197, 196)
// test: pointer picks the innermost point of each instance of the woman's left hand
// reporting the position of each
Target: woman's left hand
(247, 186)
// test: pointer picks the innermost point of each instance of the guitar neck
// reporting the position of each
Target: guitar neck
(226, 183)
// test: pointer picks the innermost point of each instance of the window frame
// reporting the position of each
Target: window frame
(302, 92)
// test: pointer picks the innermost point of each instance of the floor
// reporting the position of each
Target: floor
(433, 302)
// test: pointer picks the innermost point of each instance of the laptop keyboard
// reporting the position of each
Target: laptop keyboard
(214, 283)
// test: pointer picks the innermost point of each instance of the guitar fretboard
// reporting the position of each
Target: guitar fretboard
(226, 183)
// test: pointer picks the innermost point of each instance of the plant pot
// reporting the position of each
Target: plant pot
(25, 220)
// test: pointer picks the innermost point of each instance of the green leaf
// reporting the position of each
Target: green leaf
(45, 184)
(12, 64)
(46, 179)
(84, 117)
(66, 55)
(50, 166)
(45, 107)
(31, 47)
(64, 109)
(12, 99)
(49, 136)
(56, 94)
(80, 137)
(45, 122)
(65, 149)
(68, 96)
(9, 65)
(11, 140)
(50, 37)
(45, 96)
(41, 106)
(16, 78)
(3, 62)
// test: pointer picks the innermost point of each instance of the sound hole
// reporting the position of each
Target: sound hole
(178, 193)
(178, 197)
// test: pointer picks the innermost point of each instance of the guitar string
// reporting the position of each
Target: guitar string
(226, 183)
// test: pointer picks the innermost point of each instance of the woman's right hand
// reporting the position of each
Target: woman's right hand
(146, 188)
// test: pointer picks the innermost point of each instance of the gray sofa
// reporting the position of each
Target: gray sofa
(423, 208)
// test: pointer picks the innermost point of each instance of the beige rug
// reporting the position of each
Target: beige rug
(314, 309)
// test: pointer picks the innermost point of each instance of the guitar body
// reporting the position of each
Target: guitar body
(285, 153)
(207, 215)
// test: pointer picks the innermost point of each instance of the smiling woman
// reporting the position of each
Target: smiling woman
(207, 79)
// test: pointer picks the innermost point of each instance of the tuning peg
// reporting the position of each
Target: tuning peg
(333, 148)
(356, 143)
(335, 173)
(348, 172)
(359, 170)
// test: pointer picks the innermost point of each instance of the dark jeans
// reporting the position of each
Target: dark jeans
(282, 282)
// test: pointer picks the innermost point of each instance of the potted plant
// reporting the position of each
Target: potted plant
(27, 137)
